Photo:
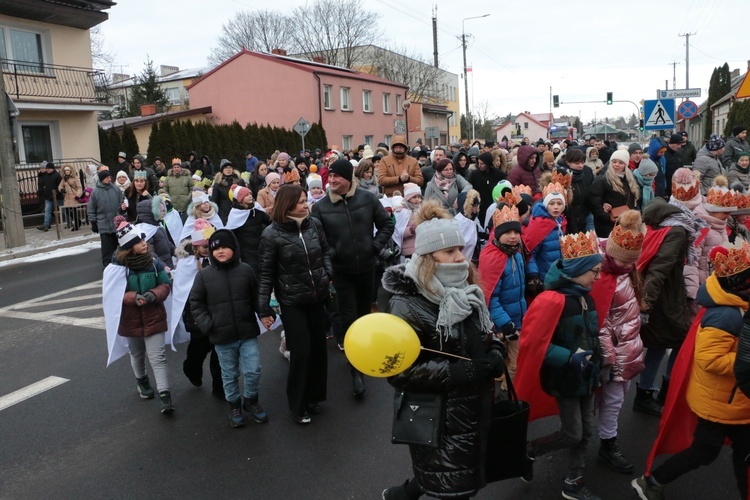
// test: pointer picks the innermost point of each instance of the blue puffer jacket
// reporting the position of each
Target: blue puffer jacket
(653, 148)
(548, 251)
(507, 303)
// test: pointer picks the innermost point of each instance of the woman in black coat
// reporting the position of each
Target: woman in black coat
(296, 264)
(438, 268)
(614, 189)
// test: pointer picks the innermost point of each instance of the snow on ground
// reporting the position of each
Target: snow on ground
(54, 254)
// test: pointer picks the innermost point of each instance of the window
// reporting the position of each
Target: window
(346, 142)
(387, 103)
(366, 106)
(327, 104)
(525, 125)
(345, 103)
(173, 95)
(368, 140)
(22, 46)
(37, 143)
(399, 104)
(388, 140)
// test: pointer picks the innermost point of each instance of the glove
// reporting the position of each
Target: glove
(149, 297)
(139, 299)
(496, 363)
(605, 374)
(94, 226)
(579, 364)
(385, 254)
(509, 331)
(534, 284)
(644, 319)
(470, 371)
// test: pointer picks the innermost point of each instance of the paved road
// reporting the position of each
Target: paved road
(92, 437)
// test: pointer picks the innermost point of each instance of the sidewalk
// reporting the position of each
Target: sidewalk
(40, 242)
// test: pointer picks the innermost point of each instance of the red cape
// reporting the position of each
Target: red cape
(678, 422)
(651, 243)
(492, 262)
(538, 229)
(603, 292)
(538, 326)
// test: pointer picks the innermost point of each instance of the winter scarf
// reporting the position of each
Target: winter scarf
(647, 188)
(443, 182)
(368, 184)
(610, 266)
(456, 299)
(690, 223)
(576, 174)
(139, 261)
(509, 250)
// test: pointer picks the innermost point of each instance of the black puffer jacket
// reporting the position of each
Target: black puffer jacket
(220, 192)
(163, 248)
(602, 192)
(456, 469)
(348, 224)
(578, 210)
(248, 234)
(295, 263)
(224, 299)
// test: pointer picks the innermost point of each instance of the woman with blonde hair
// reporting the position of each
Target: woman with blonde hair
(613, 192)
(500, 160)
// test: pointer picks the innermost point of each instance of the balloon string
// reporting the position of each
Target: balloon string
(444, 353)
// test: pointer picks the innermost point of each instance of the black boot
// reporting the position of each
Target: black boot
(662, 396)
(358, 383)
(410, 490)
(645, 403)
(610, 454)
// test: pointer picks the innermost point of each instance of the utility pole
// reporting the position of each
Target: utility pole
(434, 36)
(11, 202)
(674, 73)
(466, 82)
(687, 58)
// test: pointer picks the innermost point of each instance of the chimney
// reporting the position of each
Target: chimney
(148, 109)
(278, 52)
(320, 59)
(119, 77)
(165, 70)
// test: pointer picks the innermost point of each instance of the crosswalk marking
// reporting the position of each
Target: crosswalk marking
(30, 391)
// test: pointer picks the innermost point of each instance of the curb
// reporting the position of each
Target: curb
(65, 243)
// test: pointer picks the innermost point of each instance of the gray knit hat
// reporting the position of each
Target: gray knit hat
(647, 167)
(634, 147)
(437, 234)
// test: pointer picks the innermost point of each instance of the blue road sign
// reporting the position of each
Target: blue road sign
(687, 109)
(659, 114)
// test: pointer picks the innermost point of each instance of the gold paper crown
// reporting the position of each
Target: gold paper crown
(730, 260)
(626, 239)
(291, 176)
(578, 245)
(718, 197)
(743, 200)
(685, 194)
(562, 178)
(521, 189)
(511, 198)
(509, 213)
(553, 187)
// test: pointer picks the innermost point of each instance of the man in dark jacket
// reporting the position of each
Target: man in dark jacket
(105, 203)
(483, 180)
(348, 215)
(688, 150)
(48, 179)
(673, 159)
(195, 163)
(247, 221)
(139, 164)
(224, 300)
(734, 146)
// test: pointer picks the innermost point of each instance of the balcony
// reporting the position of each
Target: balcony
(39, 81)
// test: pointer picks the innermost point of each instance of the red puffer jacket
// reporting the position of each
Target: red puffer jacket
(620, 333)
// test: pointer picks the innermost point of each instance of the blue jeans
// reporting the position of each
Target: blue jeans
(240, 355)
(48, 207)
(652, 360)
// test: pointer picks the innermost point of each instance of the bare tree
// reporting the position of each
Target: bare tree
(334, 29)
(102, 56)
(261, 31)
(408, 67)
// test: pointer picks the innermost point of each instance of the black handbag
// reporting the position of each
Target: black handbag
(418, 418)
(506, 446)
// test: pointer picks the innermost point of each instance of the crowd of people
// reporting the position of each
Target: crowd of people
(579, 268)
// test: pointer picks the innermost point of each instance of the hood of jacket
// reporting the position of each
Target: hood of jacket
(227, 180)
(524, 153)
(711, 294)
(657, 210)
(150, 210)
(183, 172)
(654, 146)
(184, 249)
(590, 150)
(233, 244)
(397, 282)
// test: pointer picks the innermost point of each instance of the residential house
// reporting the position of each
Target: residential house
(352, 107)
(525, 124)
(720, 109)
(171, 79)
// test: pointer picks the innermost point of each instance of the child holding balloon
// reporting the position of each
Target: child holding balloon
(437, 294)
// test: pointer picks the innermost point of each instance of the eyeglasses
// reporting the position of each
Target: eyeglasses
(596, 272)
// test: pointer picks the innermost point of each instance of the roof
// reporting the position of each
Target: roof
(303, 65)
(542, 117)
(139, 121)
(183, 74)
(601, 128)
(736, 82)
(530, 116)
(82, 14)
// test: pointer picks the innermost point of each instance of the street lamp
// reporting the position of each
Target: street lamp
(463, 42)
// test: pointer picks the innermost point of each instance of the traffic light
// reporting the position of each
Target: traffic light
(556, 101)
(640, 126)
(609, 97)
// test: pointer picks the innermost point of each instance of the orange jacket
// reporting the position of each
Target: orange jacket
(390, 170)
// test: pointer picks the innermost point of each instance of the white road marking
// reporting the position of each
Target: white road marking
(30, 391)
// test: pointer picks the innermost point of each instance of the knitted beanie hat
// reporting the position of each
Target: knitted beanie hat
(634, 147)
(410, 189)
(622, 155)
(127, 234)
(314, 181)
(647, 167)
(625, 242)
(238, 193)
(103, 174)
(223, 238)
(548, 156)
(342, 168)
(199, 197)
(715, 144)
(436, 230)
(272, 176)
(202, 231)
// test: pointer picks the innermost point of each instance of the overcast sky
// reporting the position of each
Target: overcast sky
(580, 48)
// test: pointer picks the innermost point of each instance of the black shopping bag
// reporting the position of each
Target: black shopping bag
(506, 447)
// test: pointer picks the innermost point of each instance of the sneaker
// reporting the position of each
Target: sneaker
(167, 408)
(43, 228)
(236, 419)
(303, 419)
(646, 489)
(144, 388)
(611, 455)
(253, 408)
(574, 489)
(644, 402)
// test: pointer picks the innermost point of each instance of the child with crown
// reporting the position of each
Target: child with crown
(503, 272)
(559, 357)
(704, 408)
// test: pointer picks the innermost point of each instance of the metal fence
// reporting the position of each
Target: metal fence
(27, 79)
(27, 176)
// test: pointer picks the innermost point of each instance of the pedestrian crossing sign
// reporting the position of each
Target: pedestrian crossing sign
(659, 114)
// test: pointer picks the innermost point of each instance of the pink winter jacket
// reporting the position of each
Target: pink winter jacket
(620, 333)
(717, 235)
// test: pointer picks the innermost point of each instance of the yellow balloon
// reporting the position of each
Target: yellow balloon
(381, 345)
